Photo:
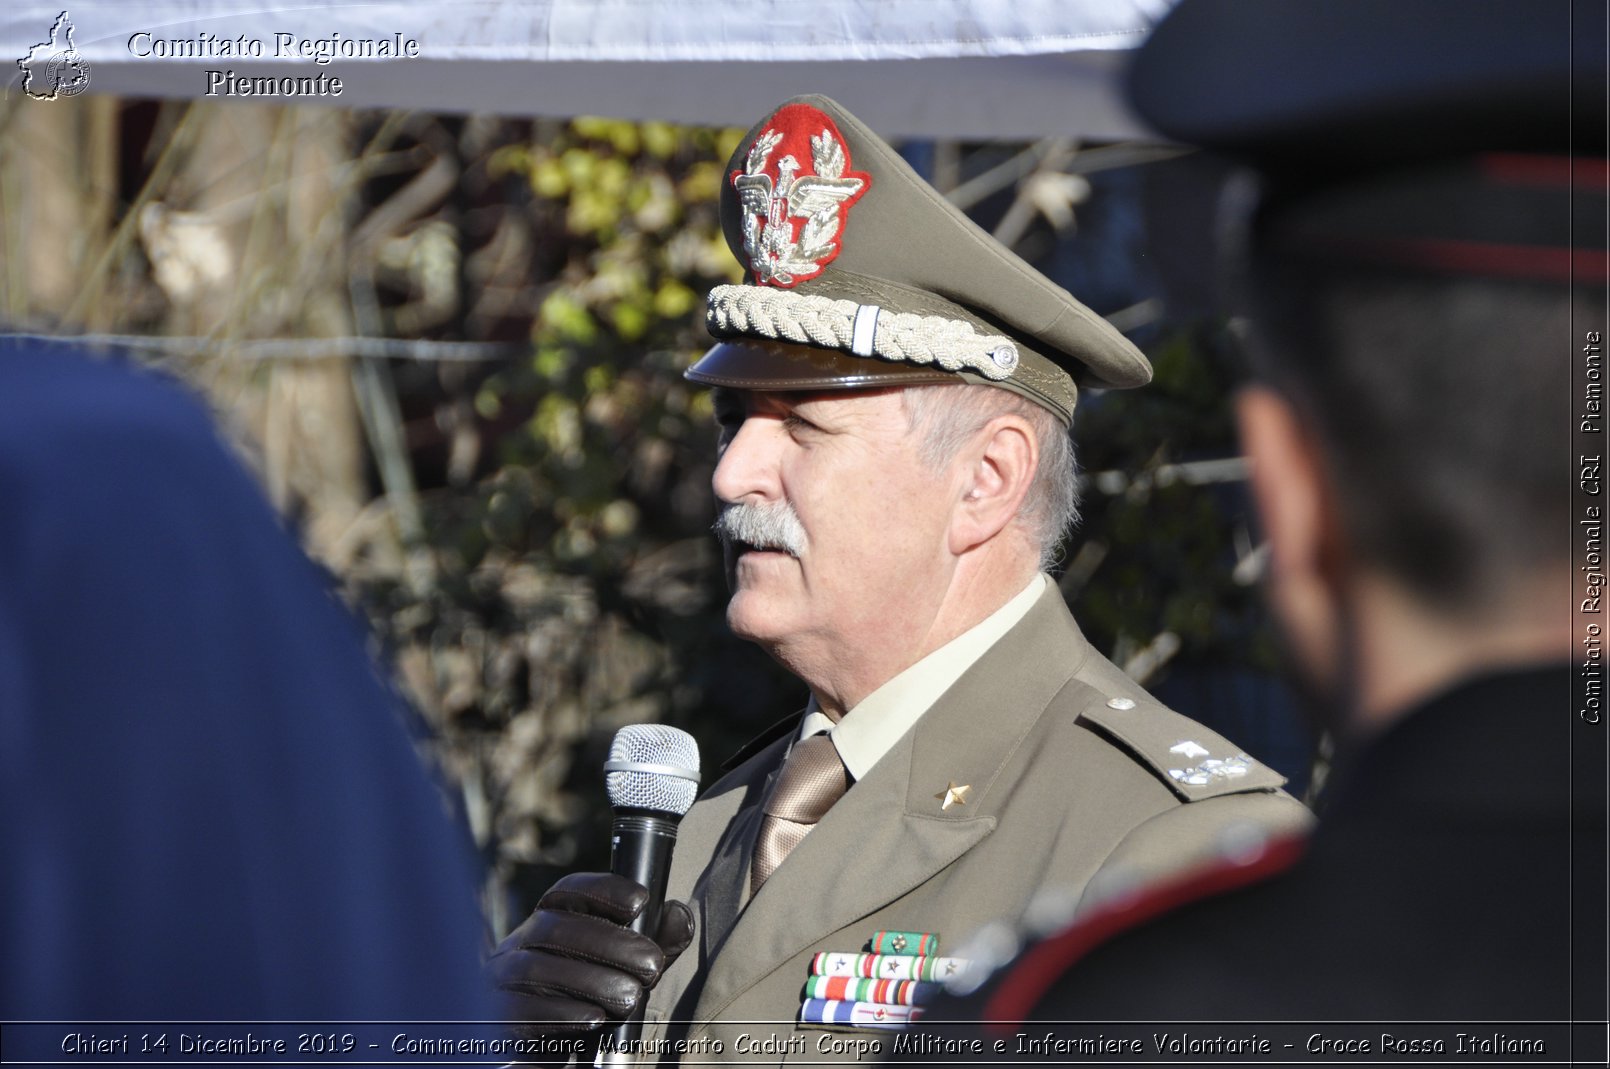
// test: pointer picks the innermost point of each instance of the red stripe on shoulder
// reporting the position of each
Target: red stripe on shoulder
(1025, 982)
(1581, 172)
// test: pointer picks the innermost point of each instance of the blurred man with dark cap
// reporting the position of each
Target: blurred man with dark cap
(894, 390)
(1424, 267)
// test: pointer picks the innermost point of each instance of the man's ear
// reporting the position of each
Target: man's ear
(1295, 499)
(999, 468)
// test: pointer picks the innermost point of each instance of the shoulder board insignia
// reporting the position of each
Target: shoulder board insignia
(1195, 762)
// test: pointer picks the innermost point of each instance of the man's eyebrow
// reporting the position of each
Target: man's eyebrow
(805, 397)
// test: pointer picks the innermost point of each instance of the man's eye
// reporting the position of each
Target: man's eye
(794, 423)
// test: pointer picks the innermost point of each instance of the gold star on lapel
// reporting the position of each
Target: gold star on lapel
(954, 795)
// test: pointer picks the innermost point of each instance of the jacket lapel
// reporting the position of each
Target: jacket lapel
(858, 860)
(813, 895)
(721, 888)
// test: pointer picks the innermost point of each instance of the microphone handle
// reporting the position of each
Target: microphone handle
(641, 842)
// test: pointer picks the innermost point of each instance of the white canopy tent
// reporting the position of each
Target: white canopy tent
(984, 69)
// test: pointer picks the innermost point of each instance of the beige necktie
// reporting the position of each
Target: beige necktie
(810, 781)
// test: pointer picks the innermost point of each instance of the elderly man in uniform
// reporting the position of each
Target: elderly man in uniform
(894, 391)
(1426, 262)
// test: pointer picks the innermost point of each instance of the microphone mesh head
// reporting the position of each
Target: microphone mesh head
(671, 779)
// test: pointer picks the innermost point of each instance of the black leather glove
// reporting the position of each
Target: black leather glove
(573, 965)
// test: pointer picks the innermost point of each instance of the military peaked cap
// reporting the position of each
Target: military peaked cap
(1333, 88)
(877, 280)
(1451, 138)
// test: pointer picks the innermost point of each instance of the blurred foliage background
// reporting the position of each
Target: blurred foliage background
(451, 348)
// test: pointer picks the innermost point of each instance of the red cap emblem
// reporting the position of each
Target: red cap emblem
(794, 210)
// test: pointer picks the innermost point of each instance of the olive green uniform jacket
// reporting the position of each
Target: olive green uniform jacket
(1069, 785)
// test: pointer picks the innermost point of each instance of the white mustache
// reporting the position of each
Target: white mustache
(774, 526)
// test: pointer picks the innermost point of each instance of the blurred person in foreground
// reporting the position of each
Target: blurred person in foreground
(894, 391)
(1417, 296)
(211, 808)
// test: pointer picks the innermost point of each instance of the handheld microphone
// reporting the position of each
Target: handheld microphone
(652, 776)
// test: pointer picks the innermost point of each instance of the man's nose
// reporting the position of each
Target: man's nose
(747, 469)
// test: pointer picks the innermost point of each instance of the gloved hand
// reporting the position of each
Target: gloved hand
(573, 965)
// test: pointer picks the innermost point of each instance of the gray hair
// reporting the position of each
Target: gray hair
(947, 416)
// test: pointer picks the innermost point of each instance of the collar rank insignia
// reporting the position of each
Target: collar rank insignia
(954, 795)
(793, 212)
